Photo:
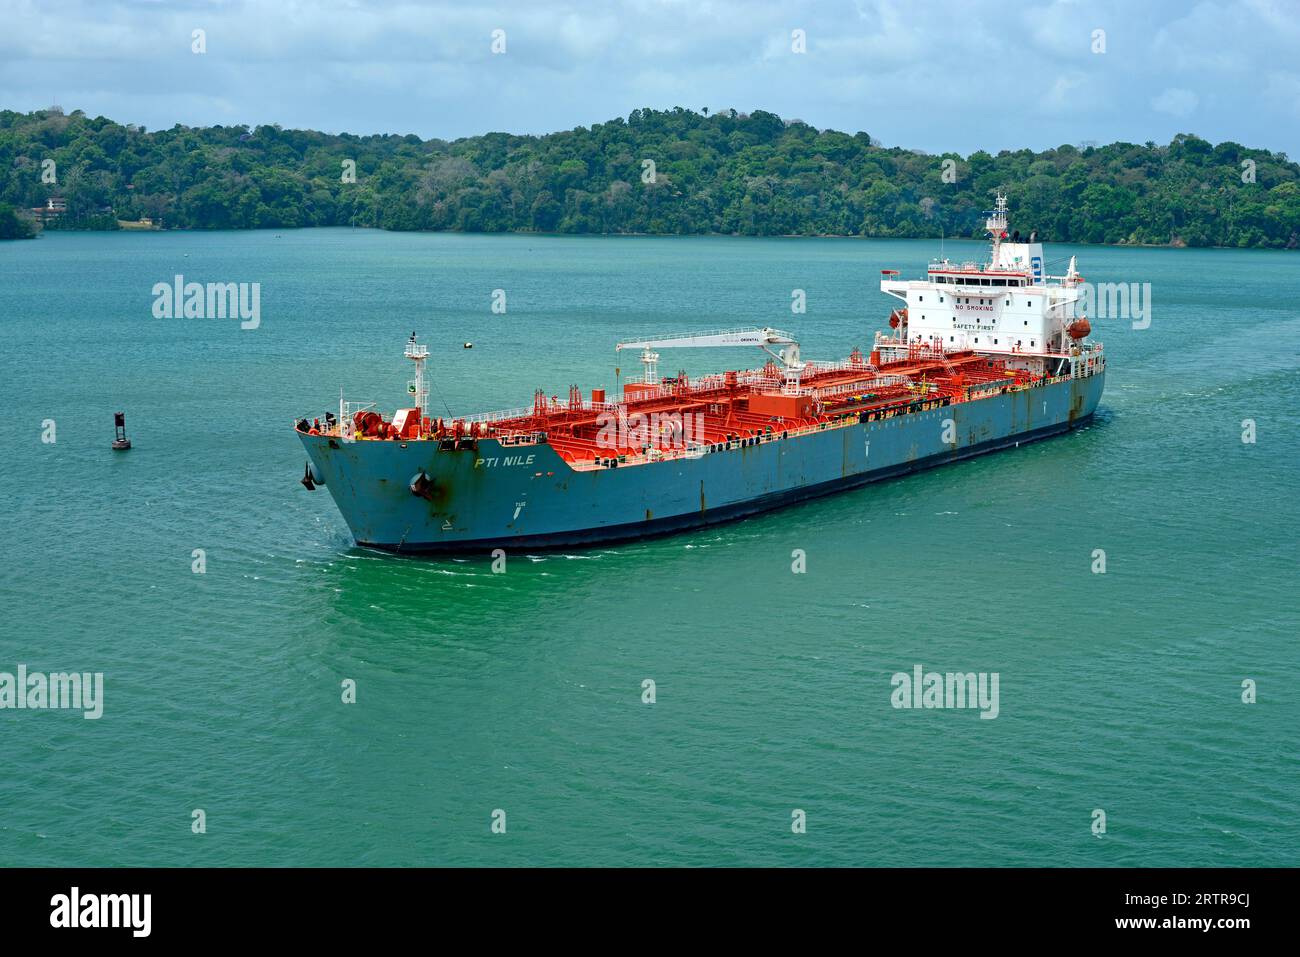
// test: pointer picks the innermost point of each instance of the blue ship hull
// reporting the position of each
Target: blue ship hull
(526, 496)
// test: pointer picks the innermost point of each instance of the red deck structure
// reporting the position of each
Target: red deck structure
(727, 408)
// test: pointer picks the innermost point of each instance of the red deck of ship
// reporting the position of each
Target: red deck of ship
(583, 431)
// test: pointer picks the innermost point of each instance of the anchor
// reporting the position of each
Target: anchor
(422, 487)
(308, 480)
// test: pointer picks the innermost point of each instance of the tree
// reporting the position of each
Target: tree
(14, 226)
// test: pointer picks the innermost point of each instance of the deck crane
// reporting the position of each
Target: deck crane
(787, 355)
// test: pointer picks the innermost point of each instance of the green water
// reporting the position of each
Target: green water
(523, 691)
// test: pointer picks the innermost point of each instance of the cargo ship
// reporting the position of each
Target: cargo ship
(976, 358)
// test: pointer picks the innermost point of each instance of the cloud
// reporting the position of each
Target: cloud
(947, 75)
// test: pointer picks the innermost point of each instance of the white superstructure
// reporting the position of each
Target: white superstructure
(1008, 307)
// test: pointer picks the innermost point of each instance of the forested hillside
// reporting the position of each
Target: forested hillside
(752, 174)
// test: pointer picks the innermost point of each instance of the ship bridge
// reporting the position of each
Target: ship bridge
(1008, 307)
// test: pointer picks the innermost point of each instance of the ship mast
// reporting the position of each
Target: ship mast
(416, 388)
(996, 224)
(650, 364)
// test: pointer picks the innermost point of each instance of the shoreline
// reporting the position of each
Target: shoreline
(531, 233)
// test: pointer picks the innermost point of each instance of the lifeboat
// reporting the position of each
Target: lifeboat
(1079, 329)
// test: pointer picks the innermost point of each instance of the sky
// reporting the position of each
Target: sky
(937, 76)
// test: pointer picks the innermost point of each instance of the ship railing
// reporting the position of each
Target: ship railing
(716, 380)
(499, 416)
(1090, 360)
(760, 379)
(710, 383)
(557, 407)
(343, 428)
(841, 365)
(531, 437)
(966, 264)
(350, 409)
(693, 449)
(879, 382)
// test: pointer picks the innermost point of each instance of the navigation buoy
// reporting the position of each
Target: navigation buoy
(120, 443)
